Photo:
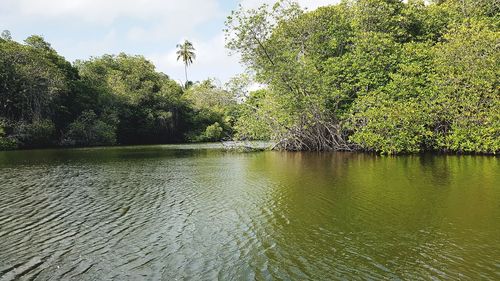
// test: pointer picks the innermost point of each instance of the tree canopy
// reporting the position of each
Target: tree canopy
(106, 100)
(377, 75)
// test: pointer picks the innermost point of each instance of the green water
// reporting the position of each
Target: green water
(198, 213)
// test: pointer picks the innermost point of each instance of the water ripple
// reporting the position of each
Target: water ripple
(201, 215)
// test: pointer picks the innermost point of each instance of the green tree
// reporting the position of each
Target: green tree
(378, 75)
(255, 120)
(214, 108)
(30, 82)
(39, 133)
(286, 49)
(90, 130)
(185, 52)
(6, 142)
(6, 35)
(396, 117)
(147, 103)
(466, 100)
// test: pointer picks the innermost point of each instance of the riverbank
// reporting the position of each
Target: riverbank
(230, 146)
(244, 146)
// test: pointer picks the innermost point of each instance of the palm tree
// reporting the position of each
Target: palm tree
(185, 52)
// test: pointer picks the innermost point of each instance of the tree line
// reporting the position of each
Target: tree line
(375, 75)
(46, 101)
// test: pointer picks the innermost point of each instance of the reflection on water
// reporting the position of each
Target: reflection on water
(175, 212)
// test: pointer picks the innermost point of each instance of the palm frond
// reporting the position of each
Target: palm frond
(186, 52)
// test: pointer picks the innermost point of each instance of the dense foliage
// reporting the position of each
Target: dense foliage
(47, 101)
(378, 75)
(375, 75)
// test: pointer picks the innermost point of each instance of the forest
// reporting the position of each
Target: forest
(384, 76)
(114, 99)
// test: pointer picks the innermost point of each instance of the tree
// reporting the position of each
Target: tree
(208, 95)
(466, 97)
(186, 53)
(396, 117)
(214, 110)
(89, 129)
(255, 121)
(30, 82)
(388, 76)
(147, 103)
(6, 35)
(286, 49)
(38, 42)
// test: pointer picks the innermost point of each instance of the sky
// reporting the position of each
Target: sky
(80, 29)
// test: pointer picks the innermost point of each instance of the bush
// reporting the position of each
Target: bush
(89, 129)
(36, 134)
(6, 143)
(212, 132)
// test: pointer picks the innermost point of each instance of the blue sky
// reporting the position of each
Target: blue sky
(79, 29)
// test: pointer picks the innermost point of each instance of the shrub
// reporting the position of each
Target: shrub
(212, 132)
(37, 134)
(6, 143)
(89, 129)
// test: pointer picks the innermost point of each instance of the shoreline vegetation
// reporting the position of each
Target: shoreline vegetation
(381, 76)
(225, 146)
(245, 148)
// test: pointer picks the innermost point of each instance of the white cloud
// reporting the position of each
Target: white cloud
(107, 11)
(94, 47)
(149, 20)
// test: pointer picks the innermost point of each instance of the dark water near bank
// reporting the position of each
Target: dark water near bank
(180, 213)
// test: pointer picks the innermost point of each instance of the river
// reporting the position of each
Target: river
(195, 212)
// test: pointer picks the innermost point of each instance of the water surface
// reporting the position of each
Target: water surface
(199, 213)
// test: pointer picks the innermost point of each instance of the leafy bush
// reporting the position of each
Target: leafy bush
(90, 130)
(212, 132)
(253, 122)
(467, 101)
(6, 143)
(37, 134)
